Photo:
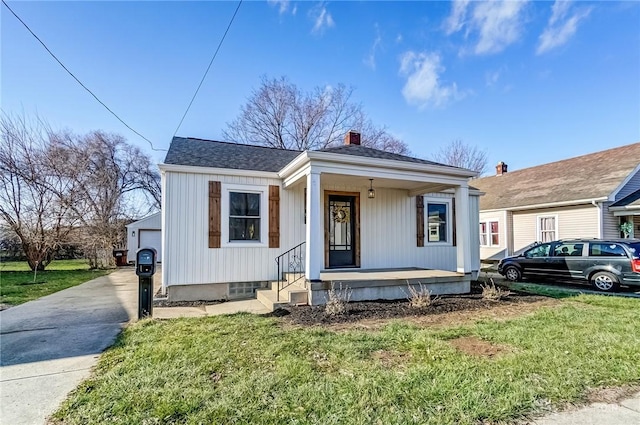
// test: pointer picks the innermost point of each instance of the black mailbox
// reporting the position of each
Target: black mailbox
(145, 269)
(146, 262)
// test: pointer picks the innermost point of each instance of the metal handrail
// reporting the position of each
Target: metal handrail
(294, 264)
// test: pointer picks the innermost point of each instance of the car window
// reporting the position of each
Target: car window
(538, 251)
(568, 250)
(635, 249)
(606, 250)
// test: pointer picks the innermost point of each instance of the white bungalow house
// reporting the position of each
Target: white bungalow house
(237, 218)
(588, 196)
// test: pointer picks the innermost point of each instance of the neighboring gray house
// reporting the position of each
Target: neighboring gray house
(588, 196)
(372, 220)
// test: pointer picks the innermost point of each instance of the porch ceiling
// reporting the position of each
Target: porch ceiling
(378, 183)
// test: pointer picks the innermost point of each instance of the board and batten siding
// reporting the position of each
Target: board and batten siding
(388, 231)
(494, 252)
(188, 258)
(387, 223)
(571, 222)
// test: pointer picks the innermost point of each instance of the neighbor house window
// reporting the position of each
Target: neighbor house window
(547, 228)
(244, 216)
(489, 233)
(437, 221)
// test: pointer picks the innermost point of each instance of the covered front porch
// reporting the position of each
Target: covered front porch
(377, 225)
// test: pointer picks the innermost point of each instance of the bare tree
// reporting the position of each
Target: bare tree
(460, 154)
(59, 188)
(280, 115)
(28, 190)
(108, 174)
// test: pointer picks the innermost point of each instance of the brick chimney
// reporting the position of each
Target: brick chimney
(501, 168)
(352, 138)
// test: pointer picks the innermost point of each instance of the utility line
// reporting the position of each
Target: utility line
(209, 67)
(76, 78)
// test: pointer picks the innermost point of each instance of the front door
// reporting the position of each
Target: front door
(341, 230)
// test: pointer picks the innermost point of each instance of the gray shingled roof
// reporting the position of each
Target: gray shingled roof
(208, 153)
(358, 150)
(589, 176)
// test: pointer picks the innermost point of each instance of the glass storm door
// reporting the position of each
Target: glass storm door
(341, 210)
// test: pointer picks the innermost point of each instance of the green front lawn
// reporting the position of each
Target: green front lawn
(17, 284)
(249, 369)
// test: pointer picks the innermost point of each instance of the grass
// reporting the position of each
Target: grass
(17, 284)
(248, 369)
(557, 292)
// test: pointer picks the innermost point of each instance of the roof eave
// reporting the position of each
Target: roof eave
(549, 204)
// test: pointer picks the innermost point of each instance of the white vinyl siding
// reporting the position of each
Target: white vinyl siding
(610, 223)
(134, 242)
(571, 222)
(498, 251)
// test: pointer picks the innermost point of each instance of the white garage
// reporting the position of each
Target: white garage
(145, 233)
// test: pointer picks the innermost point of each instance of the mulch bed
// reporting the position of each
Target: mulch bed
(364, 310)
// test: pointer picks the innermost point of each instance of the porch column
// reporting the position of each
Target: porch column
(463, 248)
(314, 255)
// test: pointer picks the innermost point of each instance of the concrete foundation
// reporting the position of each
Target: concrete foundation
(389, 290)
(214, 291)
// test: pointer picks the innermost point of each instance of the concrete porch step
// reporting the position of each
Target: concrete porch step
(291, 295)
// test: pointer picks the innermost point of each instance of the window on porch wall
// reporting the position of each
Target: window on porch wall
(437, 222)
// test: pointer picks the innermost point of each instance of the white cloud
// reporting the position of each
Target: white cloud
(498, 23)
(423, 86)
(283, 5)
(455, 22)
(370, 60)
(561, 27)
(491, 78)
(322, 19)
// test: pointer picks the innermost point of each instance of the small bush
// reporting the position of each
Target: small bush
(338, 300)
(421, 297)
(492, 292)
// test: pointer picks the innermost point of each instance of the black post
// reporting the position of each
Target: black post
(145, 297)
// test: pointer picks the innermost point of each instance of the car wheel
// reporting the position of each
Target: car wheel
(512, 273)
(605, 281)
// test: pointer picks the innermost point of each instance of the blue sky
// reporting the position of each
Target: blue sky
(530, 82)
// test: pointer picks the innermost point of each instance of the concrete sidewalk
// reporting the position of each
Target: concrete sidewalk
(624, 412)
(48, 346)
(230, 307)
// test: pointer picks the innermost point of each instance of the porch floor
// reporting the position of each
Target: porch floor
(371, 278)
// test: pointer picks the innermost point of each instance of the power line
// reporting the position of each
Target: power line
(76, 78)
(209, 67)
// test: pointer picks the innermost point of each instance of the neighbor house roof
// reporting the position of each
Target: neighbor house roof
(584, 177)
(209, 153)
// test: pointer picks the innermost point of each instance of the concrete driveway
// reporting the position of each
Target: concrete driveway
(48, 346)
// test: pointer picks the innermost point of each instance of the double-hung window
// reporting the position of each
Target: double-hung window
(244, 216)
(438, 220)
(547, 228)
(489, 233)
